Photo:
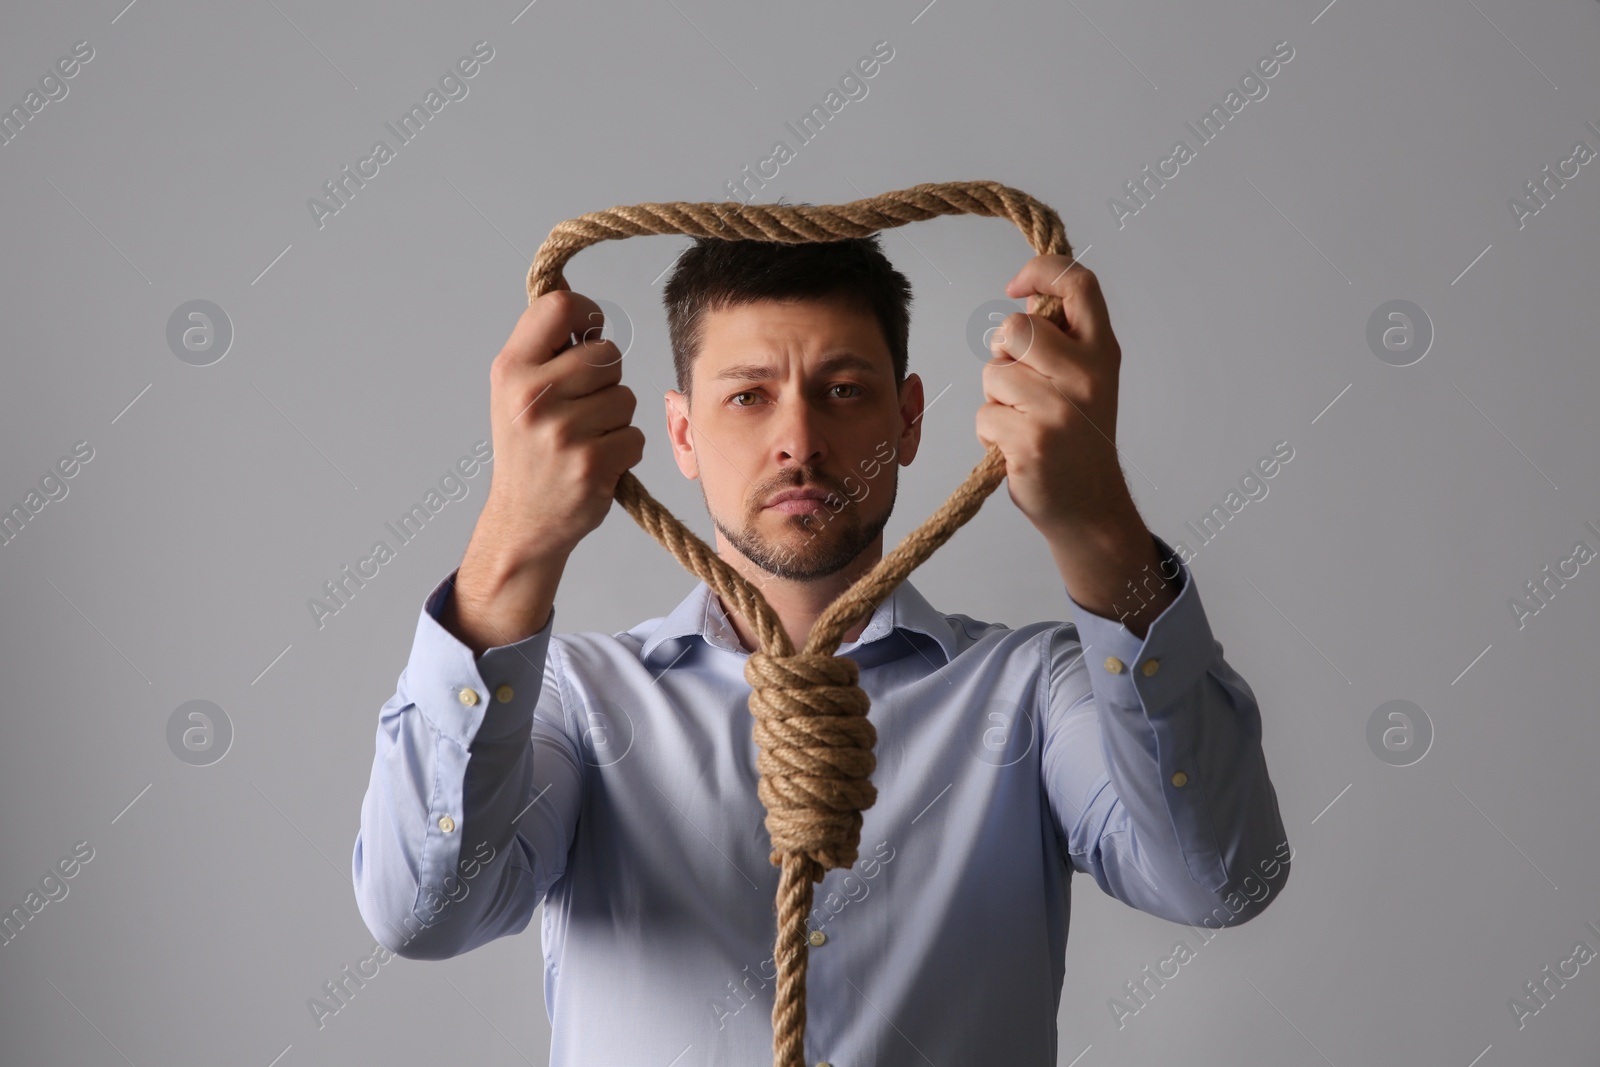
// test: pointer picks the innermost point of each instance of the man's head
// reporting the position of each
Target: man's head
(791, 372)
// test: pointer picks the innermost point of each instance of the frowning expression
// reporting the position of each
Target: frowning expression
(796, 397)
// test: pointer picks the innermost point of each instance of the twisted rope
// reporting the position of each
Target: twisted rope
(815, 741)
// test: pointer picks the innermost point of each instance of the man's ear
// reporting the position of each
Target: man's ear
(911, 409)
(678, 430)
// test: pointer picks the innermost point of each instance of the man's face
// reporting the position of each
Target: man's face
(796, 395)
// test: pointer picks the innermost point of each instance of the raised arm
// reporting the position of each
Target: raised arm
(476, 784)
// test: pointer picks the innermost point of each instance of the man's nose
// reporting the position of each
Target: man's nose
(799, 434)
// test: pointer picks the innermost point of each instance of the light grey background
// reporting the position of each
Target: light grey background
(1379, 567)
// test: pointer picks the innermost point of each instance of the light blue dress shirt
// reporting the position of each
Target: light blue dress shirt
(612, 777)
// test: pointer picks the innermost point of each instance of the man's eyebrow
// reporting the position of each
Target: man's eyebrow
(760, 372)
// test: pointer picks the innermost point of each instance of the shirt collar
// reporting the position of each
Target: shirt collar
(701, 614)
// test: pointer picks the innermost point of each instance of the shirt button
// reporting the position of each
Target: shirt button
(446, 823)
(1114, 665)
(817, 937)
(503, 694)
(1150, 667)
(1180, 779)
(469, 697)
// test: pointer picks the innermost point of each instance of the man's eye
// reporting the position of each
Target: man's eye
(734, 399)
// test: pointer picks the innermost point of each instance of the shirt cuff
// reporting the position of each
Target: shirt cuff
(506, 677)
(1153, 672)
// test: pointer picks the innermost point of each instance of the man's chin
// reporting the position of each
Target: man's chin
(789, 548)
(803, 547)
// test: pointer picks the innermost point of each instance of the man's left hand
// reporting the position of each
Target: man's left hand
(1051, 405)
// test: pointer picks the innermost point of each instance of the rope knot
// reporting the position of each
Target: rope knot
(815, 756)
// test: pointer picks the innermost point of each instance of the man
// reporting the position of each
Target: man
(613, 777)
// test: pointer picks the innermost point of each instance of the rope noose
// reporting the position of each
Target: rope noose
(816, 742)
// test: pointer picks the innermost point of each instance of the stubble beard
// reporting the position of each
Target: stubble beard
(815, 545)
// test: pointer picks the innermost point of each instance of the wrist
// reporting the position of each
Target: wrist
(503, 551)
(500, 600)
(1099, 561)
(1111, 531)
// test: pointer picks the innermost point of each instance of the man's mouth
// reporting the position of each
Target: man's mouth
(800, 501)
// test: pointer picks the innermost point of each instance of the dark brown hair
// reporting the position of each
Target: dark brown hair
(714, 274)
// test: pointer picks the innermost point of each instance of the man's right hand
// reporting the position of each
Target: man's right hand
(561, 424)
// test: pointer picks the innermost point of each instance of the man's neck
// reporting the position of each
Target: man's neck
(797, 604)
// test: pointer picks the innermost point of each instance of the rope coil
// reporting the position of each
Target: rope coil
(815, 755)
(815, 742)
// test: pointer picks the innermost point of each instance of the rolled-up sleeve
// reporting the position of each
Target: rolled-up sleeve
(473, 797)
(1153, 765)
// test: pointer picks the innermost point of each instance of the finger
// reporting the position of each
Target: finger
(1082, 302)
(549, 325)
(1035, 342)
(997, 424)
(1016, 385)
(620, 449)
(1012, 338)
(533, 391)
(588, 337)
(585, 369)
(601, 412)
